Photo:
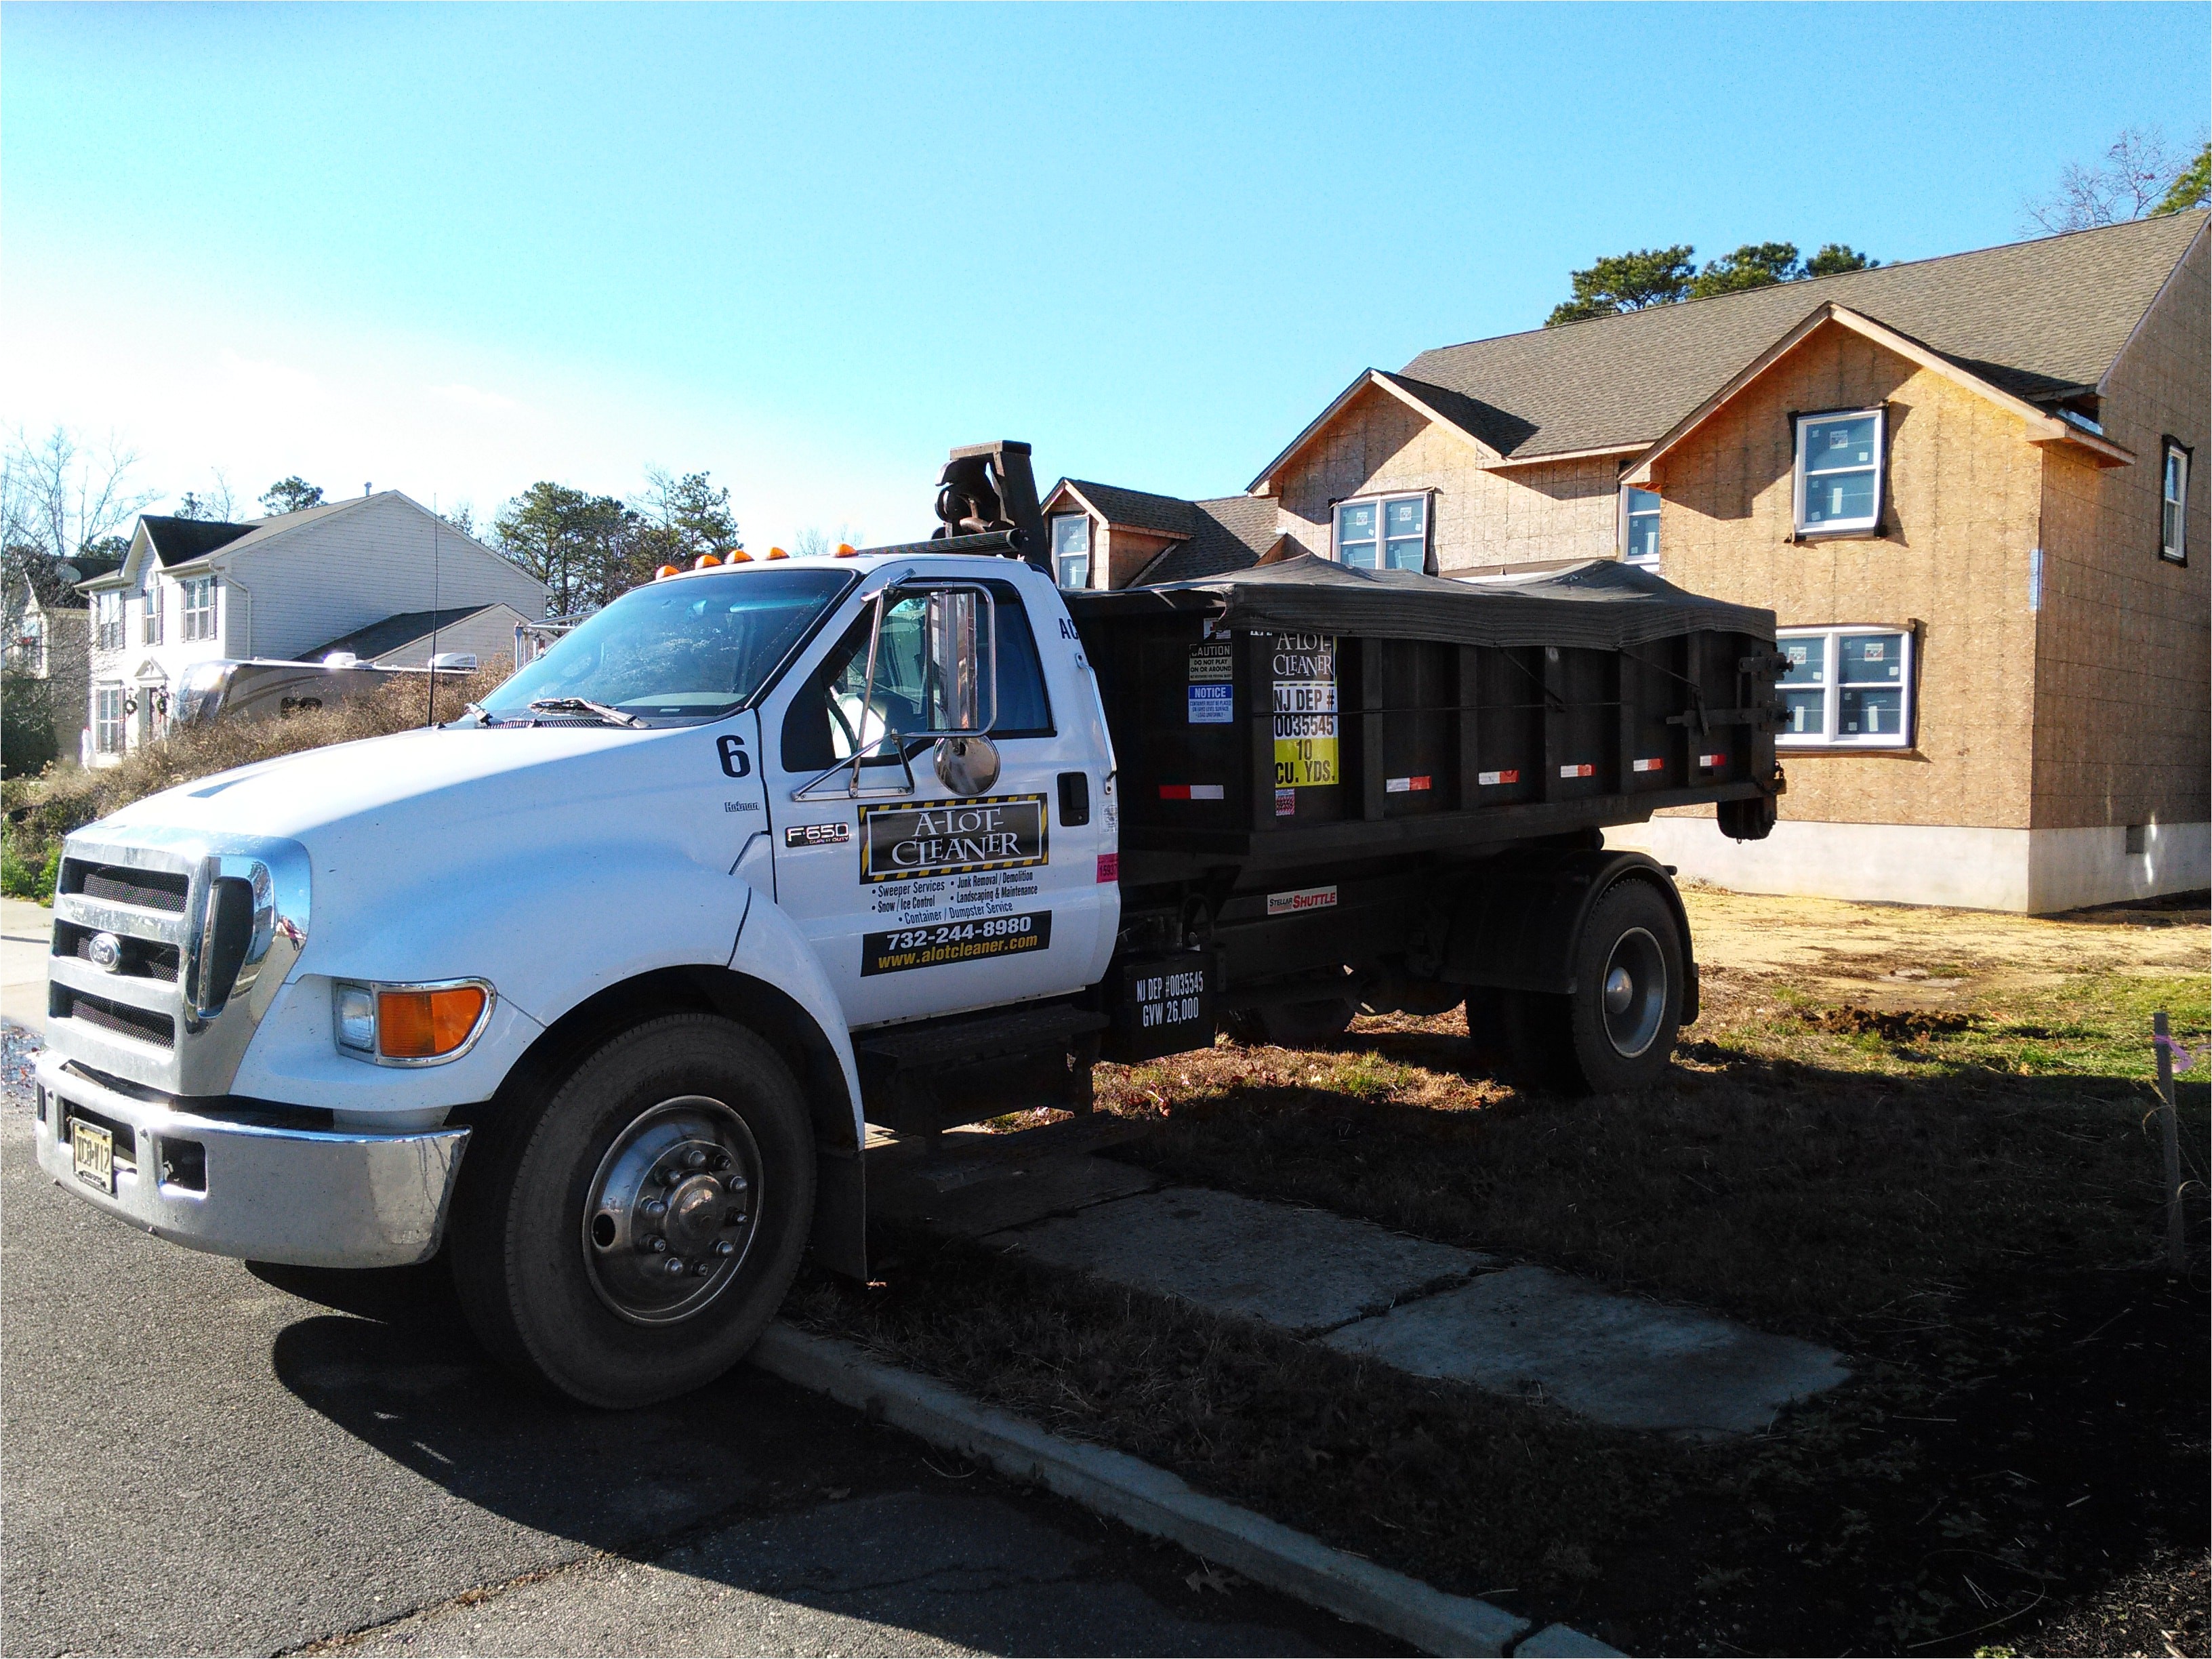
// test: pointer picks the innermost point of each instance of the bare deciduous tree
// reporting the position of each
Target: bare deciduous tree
(2131, 179)
(59, 497)
(815, 543)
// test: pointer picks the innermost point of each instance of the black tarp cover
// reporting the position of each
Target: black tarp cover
(1603, 605)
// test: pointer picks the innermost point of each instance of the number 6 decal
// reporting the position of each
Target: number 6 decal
(736, 763)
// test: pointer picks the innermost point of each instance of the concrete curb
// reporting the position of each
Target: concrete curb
(1149, 1499)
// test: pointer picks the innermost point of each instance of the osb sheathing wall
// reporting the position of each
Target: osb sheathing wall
(1378, 446)
(2122, 731)
(1952, 553)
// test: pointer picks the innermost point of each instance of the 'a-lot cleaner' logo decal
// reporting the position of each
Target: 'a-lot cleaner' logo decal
(950, 837)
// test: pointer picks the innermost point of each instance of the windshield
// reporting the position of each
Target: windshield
(693, 648)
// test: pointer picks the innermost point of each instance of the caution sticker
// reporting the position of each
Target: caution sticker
(902, 948)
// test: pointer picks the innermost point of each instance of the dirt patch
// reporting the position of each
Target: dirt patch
(1904, 1025)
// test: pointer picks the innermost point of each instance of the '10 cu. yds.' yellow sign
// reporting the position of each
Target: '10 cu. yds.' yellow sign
(1305, 710)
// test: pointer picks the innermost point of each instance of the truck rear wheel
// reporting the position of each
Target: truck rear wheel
(1615, 1031)
(625, 1237)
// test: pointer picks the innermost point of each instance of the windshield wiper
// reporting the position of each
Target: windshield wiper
(606, 712)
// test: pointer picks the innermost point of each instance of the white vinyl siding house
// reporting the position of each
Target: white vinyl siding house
(192, 591)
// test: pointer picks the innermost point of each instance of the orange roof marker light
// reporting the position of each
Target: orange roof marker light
(777, 553)
(666, 571)
(846, 550)
(706, 561)
(738, 556)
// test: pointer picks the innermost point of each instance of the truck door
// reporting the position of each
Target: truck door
(919, 899)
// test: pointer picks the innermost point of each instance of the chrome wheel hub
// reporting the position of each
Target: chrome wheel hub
(1633, 994)
(669, 1217)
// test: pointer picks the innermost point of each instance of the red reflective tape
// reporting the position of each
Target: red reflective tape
(1585, 770)
(1712, 760)
(1651, 765)
(1486, 779)
(1175, 791)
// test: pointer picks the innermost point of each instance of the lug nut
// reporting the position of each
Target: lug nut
(723, 1246)
(721, 1160)
(656, 1208)
(656, 1243)
(675, 1266)
(703, 1268)
(695, 1159)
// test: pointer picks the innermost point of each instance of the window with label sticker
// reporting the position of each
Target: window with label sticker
(1839, 461)
(1846, 688)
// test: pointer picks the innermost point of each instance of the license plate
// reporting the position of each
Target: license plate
(94, 1150)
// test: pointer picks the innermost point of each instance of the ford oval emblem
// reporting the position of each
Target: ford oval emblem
(105, 951)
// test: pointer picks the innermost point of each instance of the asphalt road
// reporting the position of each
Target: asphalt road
(203, 1457)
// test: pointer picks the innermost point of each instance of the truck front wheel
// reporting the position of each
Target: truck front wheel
(1615, 1031)
(625, 1236)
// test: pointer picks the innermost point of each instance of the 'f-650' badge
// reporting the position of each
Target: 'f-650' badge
(817, 834)
(950, 837)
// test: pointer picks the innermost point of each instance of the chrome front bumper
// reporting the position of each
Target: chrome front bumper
(317, 1198)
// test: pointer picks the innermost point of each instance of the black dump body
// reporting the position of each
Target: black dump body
(1304, 715)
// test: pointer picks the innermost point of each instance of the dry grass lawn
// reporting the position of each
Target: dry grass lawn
(1920, 1136)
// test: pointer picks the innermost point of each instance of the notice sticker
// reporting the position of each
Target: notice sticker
(1212, 705)
(1190, 791)
(1305, 898)
(1654, 764)
(1711, 761)
(1584, 770)
(1488, 779)
(1404, 786)
(1286, 803)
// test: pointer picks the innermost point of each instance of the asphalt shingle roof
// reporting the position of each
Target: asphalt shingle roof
(179, 541)
(1228, 534)
(394, 631)
(2034, 319)
(1139, 509)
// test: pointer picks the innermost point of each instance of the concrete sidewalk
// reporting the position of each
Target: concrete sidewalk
(26, 931)
(1428, 1309)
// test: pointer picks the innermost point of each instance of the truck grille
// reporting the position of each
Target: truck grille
(119, 883)
(120, 1018)
(143, 958)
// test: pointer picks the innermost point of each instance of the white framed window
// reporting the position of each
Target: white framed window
(153, 604)
(27, 652)
(1639, 528)
(1383, 532)
(1839, 461)
(1071, 549)
(199, 608)
(1846, 688)
(107, 718)
(107, 621)
(2173, 510)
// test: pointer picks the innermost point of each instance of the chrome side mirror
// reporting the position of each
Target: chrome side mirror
(967, 766)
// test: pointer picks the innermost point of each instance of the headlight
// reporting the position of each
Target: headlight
(420, 1024)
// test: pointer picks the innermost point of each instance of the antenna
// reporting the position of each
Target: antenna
(430, 704)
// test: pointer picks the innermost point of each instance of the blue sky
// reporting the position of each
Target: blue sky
(456, 249)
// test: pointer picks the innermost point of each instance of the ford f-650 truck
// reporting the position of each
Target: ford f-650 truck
(595, 989)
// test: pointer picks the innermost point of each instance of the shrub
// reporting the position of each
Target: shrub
(41, 811)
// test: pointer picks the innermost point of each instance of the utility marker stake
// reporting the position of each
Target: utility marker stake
(2170, 1132)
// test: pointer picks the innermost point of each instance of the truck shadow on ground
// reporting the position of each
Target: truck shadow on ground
(747, 1484)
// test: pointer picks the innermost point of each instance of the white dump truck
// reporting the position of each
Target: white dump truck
(595, 989)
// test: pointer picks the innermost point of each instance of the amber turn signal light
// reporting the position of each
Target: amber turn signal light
(426, 1024)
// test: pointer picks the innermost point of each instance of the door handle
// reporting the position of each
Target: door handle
(1074, 799)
